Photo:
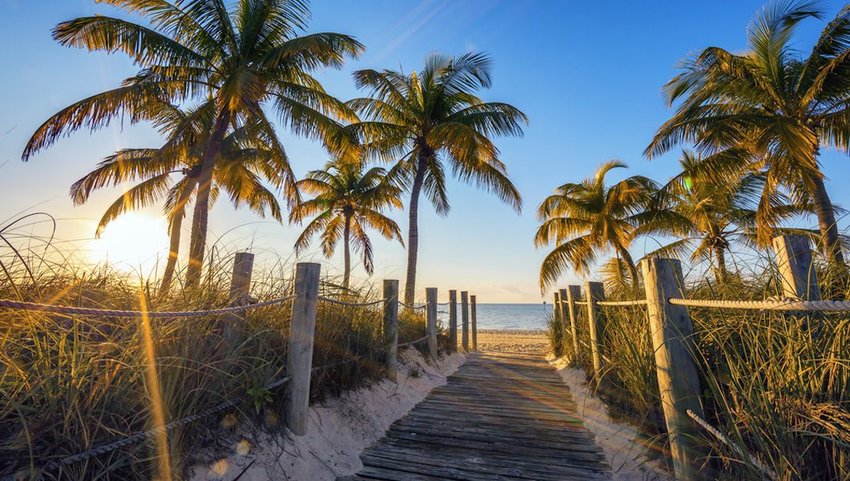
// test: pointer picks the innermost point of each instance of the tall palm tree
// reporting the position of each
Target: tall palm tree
(347, 201)
(588, 218)
(243, 164)
(241, 55)
(769, 101)
(430, 121)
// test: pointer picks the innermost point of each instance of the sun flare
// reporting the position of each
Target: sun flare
(132, 243)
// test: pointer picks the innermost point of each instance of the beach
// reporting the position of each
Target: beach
(526, 341)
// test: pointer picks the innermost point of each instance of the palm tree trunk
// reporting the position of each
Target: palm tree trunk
(173, 250)
(174, 238)
(413, 229)
(200, 215)
(721, 274)
(826, 223)
(346, 237)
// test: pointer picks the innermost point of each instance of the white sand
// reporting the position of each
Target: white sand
(623, 447)
(338, 431)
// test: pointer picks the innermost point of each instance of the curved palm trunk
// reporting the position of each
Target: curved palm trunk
(200, 215)
(826, 223)
(174, 239)
(413, 230)
(721, 274)
(346, 237)
(173, 250)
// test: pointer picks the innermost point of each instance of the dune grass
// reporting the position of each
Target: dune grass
(777, 385)
(70, 383)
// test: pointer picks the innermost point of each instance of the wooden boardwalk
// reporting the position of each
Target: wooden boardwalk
(499, 417)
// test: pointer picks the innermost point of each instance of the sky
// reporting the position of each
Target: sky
(587, 74)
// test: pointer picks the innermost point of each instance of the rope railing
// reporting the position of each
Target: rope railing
(636, 302)
(785, 304)
(91, 311)
(411, 306)
(417, 341)
(145, 435)
(738, 450)
(351, 304)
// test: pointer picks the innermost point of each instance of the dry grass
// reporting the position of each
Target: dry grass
(778, 385)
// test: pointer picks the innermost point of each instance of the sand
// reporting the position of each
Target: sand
(337, 432)
(626, 453)
(513, 341)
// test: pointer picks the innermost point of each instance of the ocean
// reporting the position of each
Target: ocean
(515, 317)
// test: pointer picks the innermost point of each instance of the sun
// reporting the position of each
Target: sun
(133, 243)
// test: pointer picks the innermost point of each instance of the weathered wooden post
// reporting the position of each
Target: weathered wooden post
(573, 295)
(431, 316)
(453, 320)
(299, 357)
(794, 261)
(240, 286)
(473, 306)
(595, 292)
(672, 339)
(556, 306)
(391, 326)
(464, 316)
(564, 317)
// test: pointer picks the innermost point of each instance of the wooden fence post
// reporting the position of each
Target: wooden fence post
(431, 316)
(595, 292)
(678, 381)
(464, 316)
(453, 320)
(299, 357)
(563, 316)
(556, 309)
(472, 306)
(240, 285)
(794, 262)
(573, 295)
(391, 326)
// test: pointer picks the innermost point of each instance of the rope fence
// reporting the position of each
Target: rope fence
(417, 341)
(351, 304)
(636, 302)
(299, 361)
(145, 435)
(90, 311)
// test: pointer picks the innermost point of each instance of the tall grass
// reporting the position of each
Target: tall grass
(777, 385)
(69, 383)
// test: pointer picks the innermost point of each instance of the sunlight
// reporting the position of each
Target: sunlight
(132, 243)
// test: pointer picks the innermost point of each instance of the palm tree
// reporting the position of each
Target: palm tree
(767, 100)
(432, 120)
(242, 166)
(712, 215)
(347, 201)
(588, 218)
(240, 55)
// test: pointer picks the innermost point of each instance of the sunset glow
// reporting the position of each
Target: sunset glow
(133, 243)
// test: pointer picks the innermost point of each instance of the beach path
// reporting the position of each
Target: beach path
(500, 416)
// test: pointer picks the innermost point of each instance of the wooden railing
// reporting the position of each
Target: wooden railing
(672, 334)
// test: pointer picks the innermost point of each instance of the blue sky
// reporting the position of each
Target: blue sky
(588, 74)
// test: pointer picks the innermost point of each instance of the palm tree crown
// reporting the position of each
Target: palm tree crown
(241, 55)
(767, 100)
(432, 120)
(347, 201)
(587, 218)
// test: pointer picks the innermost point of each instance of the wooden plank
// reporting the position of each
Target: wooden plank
(500, 416)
